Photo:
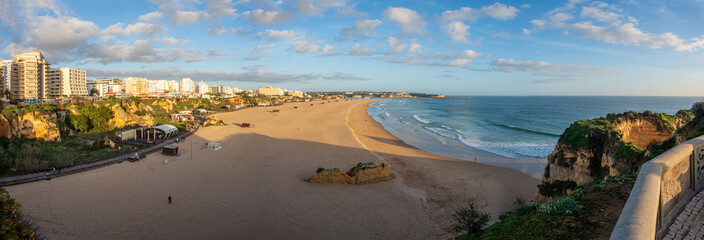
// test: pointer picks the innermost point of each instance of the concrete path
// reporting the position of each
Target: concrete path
(689, 224)
(12, 180)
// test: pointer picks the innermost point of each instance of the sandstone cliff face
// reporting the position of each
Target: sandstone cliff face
(363, 173)
(599, 148)
(4, 127)
(130, 115)
(35, 124)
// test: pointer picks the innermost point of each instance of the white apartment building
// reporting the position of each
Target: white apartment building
(5, 76)
(66, 82)
(294, 93)
(136, 86)
(105, 85)
(202, 88)
(270, 91)
(186, 85)
(225, 90)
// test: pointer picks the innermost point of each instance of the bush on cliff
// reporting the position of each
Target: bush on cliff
(470, 220)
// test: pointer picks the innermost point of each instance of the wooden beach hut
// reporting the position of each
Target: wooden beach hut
(170, 150)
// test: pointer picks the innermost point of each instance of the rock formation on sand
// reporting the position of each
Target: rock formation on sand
(104, 141)
(212, 120)
(363, 173)
(617, 144)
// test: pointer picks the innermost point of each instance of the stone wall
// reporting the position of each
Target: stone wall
(664, 187)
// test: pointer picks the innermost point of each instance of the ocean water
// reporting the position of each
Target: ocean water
(520, 131)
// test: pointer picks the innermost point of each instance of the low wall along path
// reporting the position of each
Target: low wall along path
(667, 199)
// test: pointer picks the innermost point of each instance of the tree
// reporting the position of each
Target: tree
(94, 92)
(470, 219)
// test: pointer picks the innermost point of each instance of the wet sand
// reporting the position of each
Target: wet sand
(253, 187)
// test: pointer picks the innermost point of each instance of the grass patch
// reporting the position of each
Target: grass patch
(590, 212)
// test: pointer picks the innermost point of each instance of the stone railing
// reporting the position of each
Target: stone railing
(664, 187)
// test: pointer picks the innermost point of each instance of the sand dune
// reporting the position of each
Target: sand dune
(253, 187)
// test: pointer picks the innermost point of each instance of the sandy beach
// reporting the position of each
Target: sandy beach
(253, 187)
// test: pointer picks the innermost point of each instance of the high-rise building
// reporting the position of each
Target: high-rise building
(5, 76)
(28, 76)
(136, 86)
(66, 82)
(186, 85)
(202, 88)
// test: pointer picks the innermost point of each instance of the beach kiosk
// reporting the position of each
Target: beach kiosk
(170, 150)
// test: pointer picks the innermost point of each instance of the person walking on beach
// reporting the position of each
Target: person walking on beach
(169, 199)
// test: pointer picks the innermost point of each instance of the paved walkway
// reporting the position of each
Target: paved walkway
(11, 180)
(690, 223)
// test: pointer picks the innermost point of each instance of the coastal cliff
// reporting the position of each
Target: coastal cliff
(29, 123)
(617, 144)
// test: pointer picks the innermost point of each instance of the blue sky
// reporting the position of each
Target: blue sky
(576, 47)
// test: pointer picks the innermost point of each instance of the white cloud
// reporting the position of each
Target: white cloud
(305, 47)
(460, 62)
(526, 31)
(276, 35)
(525, 5)
(220, 8)
(146, 29)
(317, 7)
(500, 11)
(458, 31)
(168, 7)
(328, 48)
(171, 41)
(510, 65)
(409, 20)
(464, 13)
(415, 46)
(560, 17)
(220, 30)
(395, 45)
(250, 75)
(538, 23)
(600, 15)
(187, 17)
(497, 11)
(262, 48)
(357, 49)
(361, 29)
(469, 54)
(152, 16)
(555, 72)
(260, 17)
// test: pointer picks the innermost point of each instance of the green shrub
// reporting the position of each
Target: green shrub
(556, 188)
(14, 226)
(565, 206)
(470, 220)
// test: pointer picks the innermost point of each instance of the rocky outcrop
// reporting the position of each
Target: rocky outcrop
(129, 114)
(4, 127)
(363, 173)
(30, 124)
(599, 148)
(212, 120)
(104, 142)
